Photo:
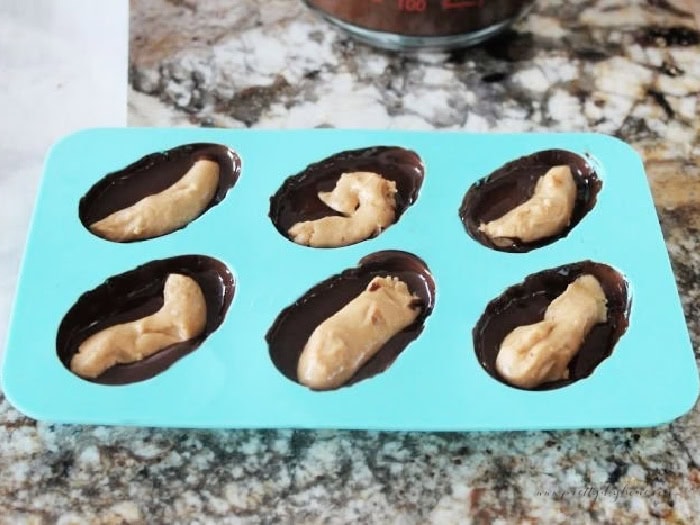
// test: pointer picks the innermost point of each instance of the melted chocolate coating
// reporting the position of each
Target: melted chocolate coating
(514, 183)
(428, 18)
(153, 174)
(139, 293)
(295, 324)
(297, 199)
(525, 304)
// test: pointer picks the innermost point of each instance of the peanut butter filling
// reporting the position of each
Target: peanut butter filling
(539, 353)
(183, 316)
(166, 211)
(340, 345)
(543, 215)
(368, 204)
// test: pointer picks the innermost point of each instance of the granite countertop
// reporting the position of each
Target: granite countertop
(627, 68)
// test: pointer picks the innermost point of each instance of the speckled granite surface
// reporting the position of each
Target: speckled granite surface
(621, 67)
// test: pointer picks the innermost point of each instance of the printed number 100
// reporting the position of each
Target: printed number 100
(412, 5)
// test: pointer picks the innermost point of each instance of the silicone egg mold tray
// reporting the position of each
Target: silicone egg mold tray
(437, 383)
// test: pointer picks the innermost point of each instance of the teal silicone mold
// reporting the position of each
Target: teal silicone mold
(437, 382)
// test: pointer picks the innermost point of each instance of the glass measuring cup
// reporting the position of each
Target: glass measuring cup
(421, 24)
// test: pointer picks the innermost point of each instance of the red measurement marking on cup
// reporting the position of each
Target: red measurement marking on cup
(413, 5)
(462, 4)
(421, 5)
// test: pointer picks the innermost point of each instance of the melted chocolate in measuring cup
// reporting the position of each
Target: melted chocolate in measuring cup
(424, 18)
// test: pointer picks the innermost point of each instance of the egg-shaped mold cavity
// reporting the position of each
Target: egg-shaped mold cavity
(367, 322)
(160, 193)
(177, 303)
(515, 184)
(525, 304)
(347, 198)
